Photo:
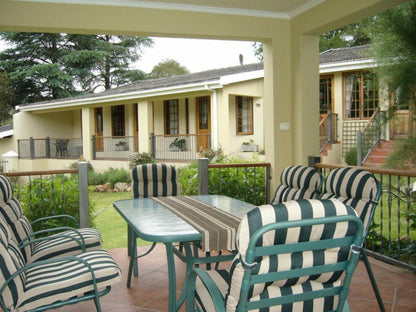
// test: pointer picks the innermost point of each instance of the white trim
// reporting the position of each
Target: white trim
(6, 133)
(136, 95)
(305, 7)
(225, 80)
(175, 7)
(347, 66)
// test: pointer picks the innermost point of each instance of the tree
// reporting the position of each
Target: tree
(168, 68)
(6, 98)
(394, 48)
(45, 66)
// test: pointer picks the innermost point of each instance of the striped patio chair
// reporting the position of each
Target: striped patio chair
(52, 283)
(295, 256)
(153, 180)
(361, 190)
(298, 182)
(62, 241)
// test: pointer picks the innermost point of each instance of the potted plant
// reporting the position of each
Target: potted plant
(249, 146)
(122, 146)
(178, 145)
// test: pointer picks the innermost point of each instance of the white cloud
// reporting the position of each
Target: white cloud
(197, 54)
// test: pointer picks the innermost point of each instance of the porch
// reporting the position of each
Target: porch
(149, 291)
(162, 147)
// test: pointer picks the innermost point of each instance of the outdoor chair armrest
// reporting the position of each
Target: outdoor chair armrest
(28, 239)
(209, 284)
(62, 216)
(43, 262)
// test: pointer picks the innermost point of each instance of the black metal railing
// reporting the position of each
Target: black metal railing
(179, 147)
(392, 237)
(32, 148)
(328, 129)
(114, 147)
(249, 182)
(53, 192)
(369, 137)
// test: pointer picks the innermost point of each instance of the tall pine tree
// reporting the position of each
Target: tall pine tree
(44, 66)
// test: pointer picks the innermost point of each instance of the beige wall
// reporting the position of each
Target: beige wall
(290, 52)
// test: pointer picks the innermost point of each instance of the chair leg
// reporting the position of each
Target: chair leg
(373, 280)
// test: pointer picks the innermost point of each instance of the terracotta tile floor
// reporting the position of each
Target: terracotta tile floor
(149, 291)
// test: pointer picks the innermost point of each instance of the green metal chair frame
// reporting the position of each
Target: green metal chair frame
(334, 184)
(353, 241)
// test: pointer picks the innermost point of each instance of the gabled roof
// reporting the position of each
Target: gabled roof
(344, 55)
(346, 59)
(154, 87)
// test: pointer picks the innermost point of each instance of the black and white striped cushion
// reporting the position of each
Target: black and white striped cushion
(356, 188)
(290, 211)
(56, 245)
(298, 182)
(51, 281)
(152, 180)
(48, 283)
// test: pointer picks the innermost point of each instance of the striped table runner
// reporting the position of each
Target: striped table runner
(218, 228)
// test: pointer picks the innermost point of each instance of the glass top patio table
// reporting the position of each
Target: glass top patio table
(151, 221)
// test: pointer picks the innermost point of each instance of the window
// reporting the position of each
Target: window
(117, 119)
(325, 94)
(361, 96)
(171, 117)
(244, 109)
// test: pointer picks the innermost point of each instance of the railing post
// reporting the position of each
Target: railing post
(329, 126)
(203, 176)
(48, 147)
(153, 145)
(378, 125)
(267, 178)
(94, 154)
(32, 148)
(84, 214)
(359, 149)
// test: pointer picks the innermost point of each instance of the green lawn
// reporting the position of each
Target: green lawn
(108, 221)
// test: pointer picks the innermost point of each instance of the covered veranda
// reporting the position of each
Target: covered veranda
(289, 30)
(149, 291)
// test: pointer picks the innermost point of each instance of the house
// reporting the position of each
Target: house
(289, 30)
(173, 118)
(176, 118)
(357, 100)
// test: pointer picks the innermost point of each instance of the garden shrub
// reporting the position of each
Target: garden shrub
(50, 197)
(351, 157)
(111, 176)
(246, 184)
(140, 159)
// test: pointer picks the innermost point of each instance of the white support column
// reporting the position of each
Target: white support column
(214, 120)
(87, 132)
(145, 119)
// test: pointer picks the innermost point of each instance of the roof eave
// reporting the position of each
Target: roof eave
(347, 66)
(201, 86)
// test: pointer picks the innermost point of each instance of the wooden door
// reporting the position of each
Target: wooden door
(401, 126)
(99, 142)
(203, 127)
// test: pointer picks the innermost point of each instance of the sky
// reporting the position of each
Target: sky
(197, 54)
(194, 54)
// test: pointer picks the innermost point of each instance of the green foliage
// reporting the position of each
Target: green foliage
(49, 197)
(44, 66)
(141, 159)
(111, 176)
(394, 46)
(404, 154)
(213, 155)
(247, 184)
(168, 68)
(6, 98)
(351, 157)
